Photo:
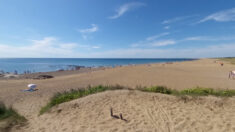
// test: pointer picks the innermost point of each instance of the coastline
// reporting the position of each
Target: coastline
(35, 65)
(74, 69)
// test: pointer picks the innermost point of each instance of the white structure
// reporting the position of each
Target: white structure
(32, 86)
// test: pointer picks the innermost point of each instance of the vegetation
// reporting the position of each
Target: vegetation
(158, 89)
(10, 116)
(229, 59)
(198, 91)
(74, 94)
(9, 112)
(208, 91)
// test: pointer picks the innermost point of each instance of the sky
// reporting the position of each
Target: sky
(117, 28)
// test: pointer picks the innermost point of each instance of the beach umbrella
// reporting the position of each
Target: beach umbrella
(32, 86)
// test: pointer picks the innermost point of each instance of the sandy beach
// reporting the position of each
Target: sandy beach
(143, 111)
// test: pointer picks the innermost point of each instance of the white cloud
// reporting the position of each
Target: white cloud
(221, 16)
(163, 43)
(194, 38)
(93, 28)
(47, 47)
(151, 41)
(85, 32)
(126, 7)
(155, 41)
(176, 19)
(157, 36)
(222, 50)
(38, 48)
(209, 38)
(51, 47)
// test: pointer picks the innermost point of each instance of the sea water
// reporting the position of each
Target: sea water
(53, 64)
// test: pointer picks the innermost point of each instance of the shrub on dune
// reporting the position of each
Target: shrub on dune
(10, 117)
(75, 94)
(9, 112)
(158, 89)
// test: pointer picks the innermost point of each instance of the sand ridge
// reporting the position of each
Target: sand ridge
(143, 112)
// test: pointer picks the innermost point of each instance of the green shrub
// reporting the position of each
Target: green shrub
(10, 117)
(9, 112)
(198, 91)
(228, 93)
(159, 89)
(74, 94)
(207, 91)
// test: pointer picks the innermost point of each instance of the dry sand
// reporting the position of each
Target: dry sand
(143, 111)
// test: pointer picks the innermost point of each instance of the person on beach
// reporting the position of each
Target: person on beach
(231, 74)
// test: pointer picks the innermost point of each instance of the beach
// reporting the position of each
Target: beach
(143, 111)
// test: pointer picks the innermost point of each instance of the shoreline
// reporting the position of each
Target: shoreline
(69, 67)
(74, 69)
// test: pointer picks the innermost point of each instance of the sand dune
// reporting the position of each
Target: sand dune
(144, 111)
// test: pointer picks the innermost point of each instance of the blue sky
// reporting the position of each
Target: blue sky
(117, 28)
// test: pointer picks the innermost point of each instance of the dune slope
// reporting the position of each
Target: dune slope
(142, 112)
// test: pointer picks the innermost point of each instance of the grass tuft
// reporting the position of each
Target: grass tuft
(74, 94)
(10, 117)
(9, 112)
(158, 89)
(198, 91)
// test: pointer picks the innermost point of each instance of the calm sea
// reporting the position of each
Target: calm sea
(54, 64)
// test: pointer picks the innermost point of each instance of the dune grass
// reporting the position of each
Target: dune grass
(229, 59)
(9, 112)
(208, 91)
(158, 89)
(198, 91)
(10, 117)
(75, 94)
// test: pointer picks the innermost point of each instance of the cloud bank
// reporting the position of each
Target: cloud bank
(222, 50)
(46, 47)
(51, 47)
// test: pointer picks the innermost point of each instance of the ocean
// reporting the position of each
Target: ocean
(53, 64)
